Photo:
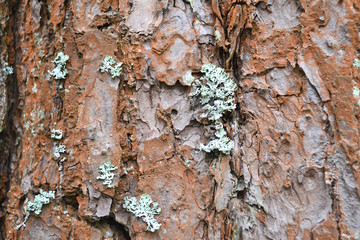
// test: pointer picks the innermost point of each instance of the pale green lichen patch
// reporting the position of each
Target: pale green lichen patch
(144, 210)
(356, 93)
(59, 72)
(111, 66)
(217, 36)
(34, 89)
(356, 63)
(216, 93)
(36, 206)
(58, 150)
(7, 69)
(56, 134)
(106, 174)
(187, 162)
(222, 143)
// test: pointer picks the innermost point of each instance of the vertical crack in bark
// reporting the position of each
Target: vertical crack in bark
(335, 208)
(10, 137)
(14, 109)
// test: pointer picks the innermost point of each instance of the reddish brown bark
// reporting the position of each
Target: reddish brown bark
(294, 170)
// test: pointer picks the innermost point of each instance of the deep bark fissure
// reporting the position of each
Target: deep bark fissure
(121, 231)
(10, 138)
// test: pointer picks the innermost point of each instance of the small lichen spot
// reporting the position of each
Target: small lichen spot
(106, 173)
(111, 66)
(143, 209)
(59, 72)
(8, 69)
(36, 206)
(58, 150)
(56, 134)
(356, 63)
(217, 36)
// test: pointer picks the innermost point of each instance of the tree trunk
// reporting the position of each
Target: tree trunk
(294, 170)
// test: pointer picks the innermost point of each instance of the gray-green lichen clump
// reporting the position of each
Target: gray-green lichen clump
(59, 72)
(106, 174)
(36, 206)
(216, 93)
(110, 66)
(143, 209)
(56, 134)
(58, 150)
(7, 69)
(356, 63)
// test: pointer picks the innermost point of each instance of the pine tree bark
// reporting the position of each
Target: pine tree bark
(293, 173)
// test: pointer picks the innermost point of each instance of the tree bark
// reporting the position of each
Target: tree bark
(293, 173)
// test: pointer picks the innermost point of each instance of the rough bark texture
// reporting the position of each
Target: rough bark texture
(294, 172)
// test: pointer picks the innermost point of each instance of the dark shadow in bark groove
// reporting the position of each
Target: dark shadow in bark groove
(9, 138)
(120, 231)
(72, 201)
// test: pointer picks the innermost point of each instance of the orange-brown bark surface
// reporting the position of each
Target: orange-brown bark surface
(294, 172)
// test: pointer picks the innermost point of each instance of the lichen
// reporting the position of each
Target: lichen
(36, 206)
(356, 63)
(56, 134)
(216, 93)
(59, 72)
(356, 93)
(222, 143)
(108, 66)
(106, 173)
(7, 69)
(143, 209)
(59, 149)
(187, 162)
(127, 170)
(217, 36)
